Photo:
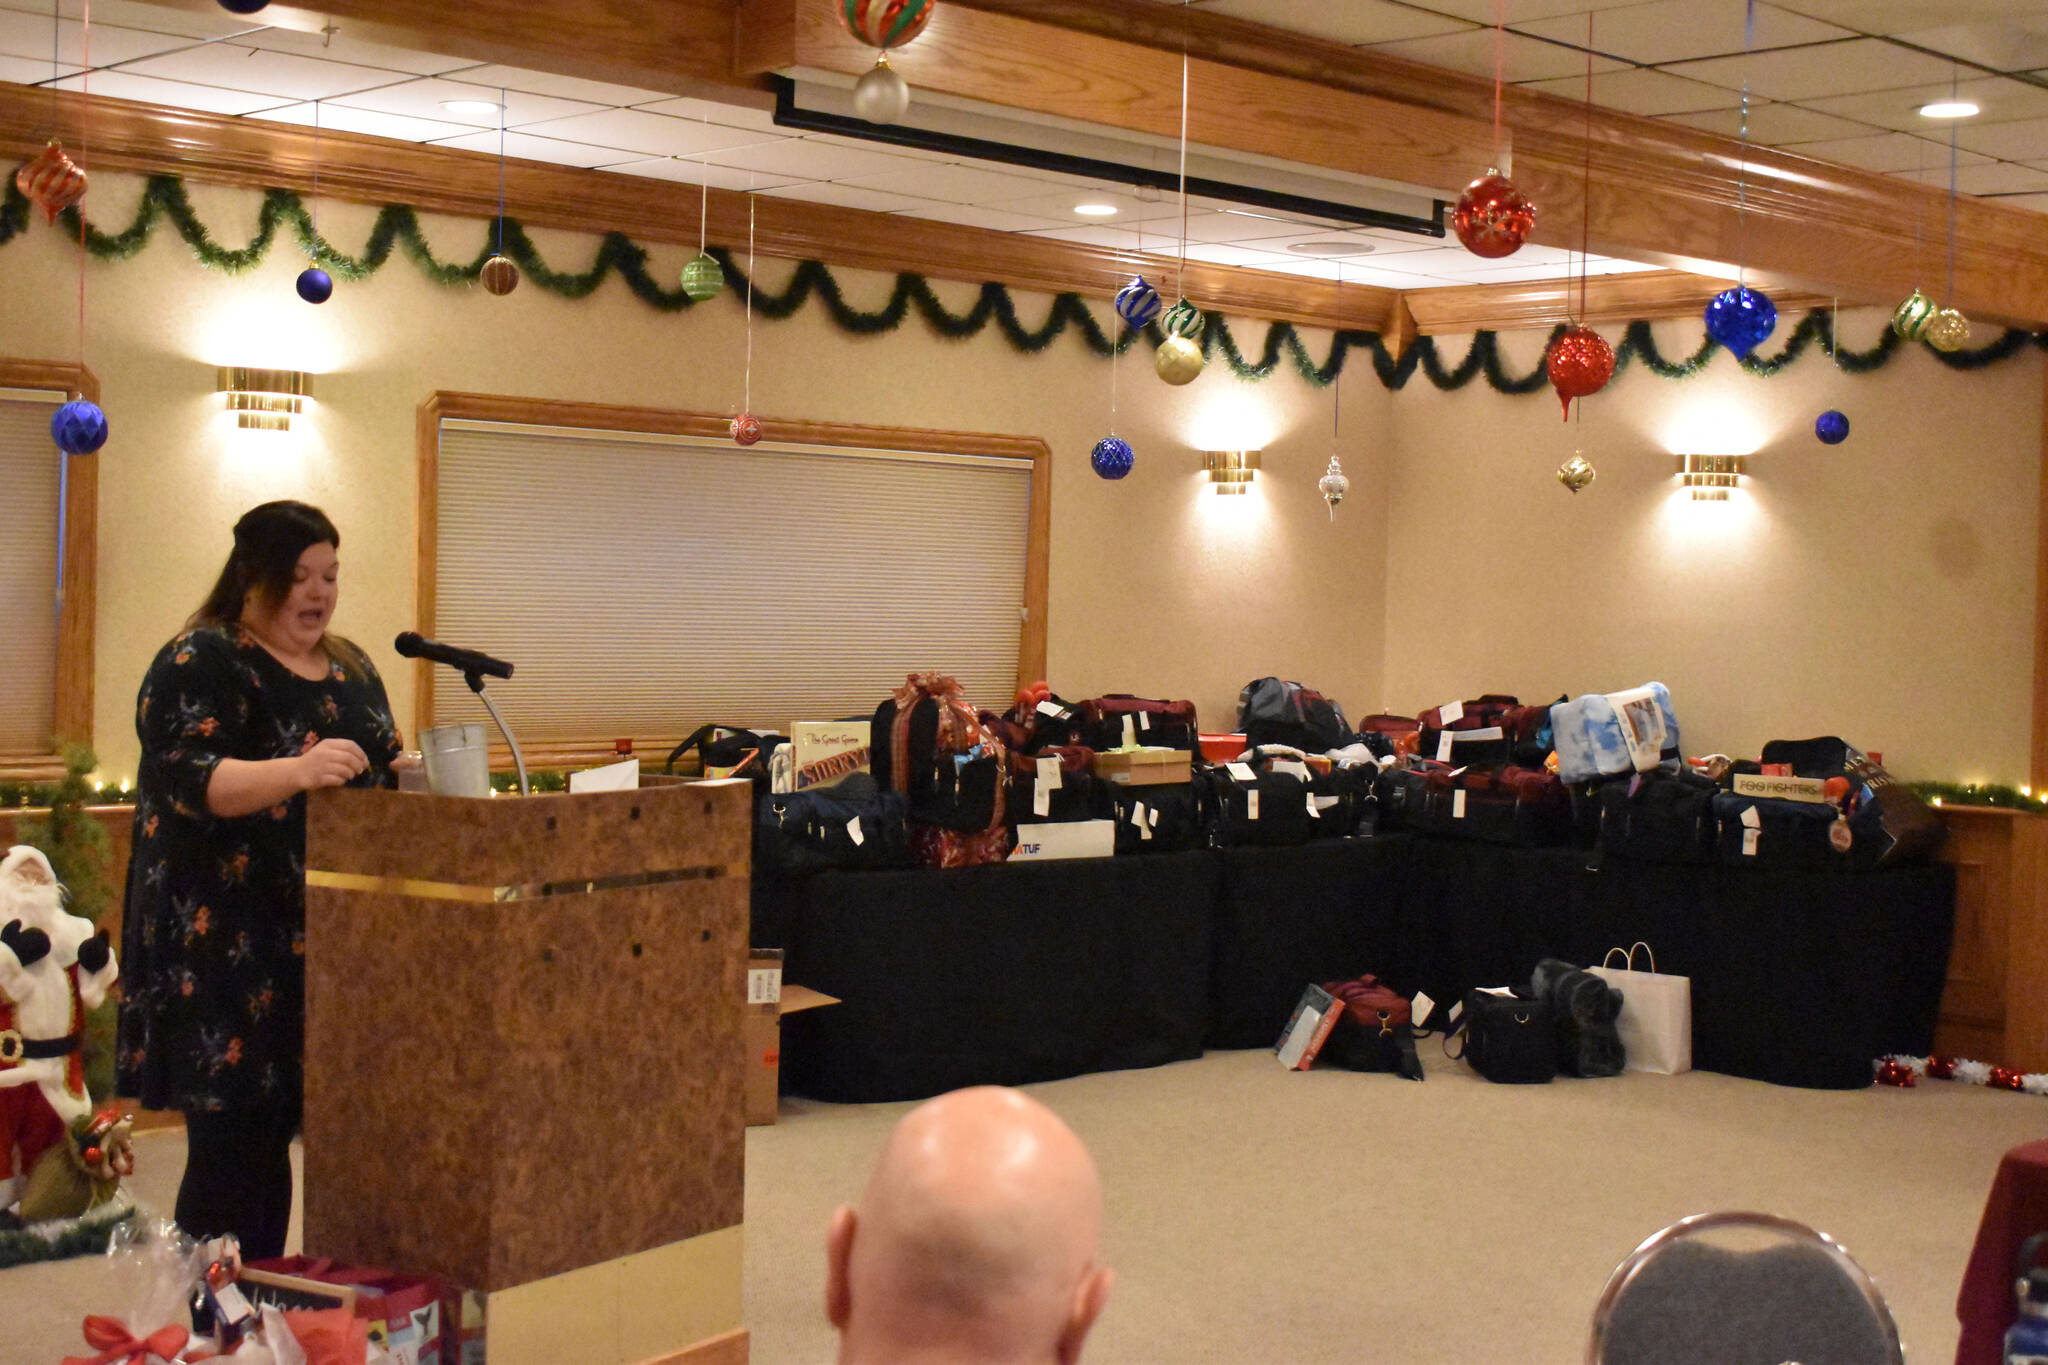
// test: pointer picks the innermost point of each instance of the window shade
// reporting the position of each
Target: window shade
(31, 468)
(645, 585)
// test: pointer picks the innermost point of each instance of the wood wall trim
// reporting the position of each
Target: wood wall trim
(482, 407)
(730, 1348)
(1607, 299)
(2038, 776)
(77, 607)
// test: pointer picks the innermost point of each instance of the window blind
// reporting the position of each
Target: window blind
(645, 585)
(31, 469)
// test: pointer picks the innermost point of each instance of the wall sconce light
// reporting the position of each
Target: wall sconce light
(264, 400)
(1231, 471)
(1710, 476)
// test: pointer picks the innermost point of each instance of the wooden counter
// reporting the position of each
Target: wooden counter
(1995, 1007)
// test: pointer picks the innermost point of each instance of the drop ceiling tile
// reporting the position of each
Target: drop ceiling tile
(1354, 21)
(1482, 11)
(28, 71)
(1904, 16)
(649, 134)
(1517, 274)
(178, 94)
(1638, 92)
(687, 172)
(2018, 45)
(1215, 253)
(23, 34)
(1990, 177)
(263, 72)
(1385, 246)
(2022, 140)
(564, 87)
(1851, 67)
(198, 22)
(1227, 226)
(422, 99)
(1523, 59)
(1771, 124)
(340, 47)
(1118, 238)
(341, 118)
(807, 159)
(1161, 217)
(1886, 153)
(1373, 275)
(904, 155)
(958, 184)
(847, 197)
(2001, 98)
(731, 115)
(1680, 30)
(526, 147)
(992, 220)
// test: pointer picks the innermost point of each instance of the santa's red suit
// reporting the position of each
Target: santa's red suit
(45, 991)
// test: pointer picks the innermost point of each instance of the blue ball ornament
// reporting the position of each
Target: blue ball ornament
(79, 427)
(315, 285)
(1137, 302)
(1740, 318)
(1112, 457)
(1832, 428)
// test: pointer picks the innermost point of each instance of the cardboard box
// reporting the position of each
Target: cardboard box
(1064, 839)
(768, 1000)
(1145, 767)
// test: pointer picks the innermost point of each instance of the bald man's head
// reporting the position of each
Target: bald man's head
(975, 1241)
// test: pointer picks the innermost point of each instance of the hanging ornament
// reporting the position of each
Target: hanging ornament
(1910, 318)
(745, 429)
(1493, 218)
(1179, 359)
(1740, 318)
(703, 277)
(885, 23)
(1949, 330)
(1137, 302)
(499, 275)
(1182, 320)
(1576, 473)
(1893, 1072)
(881, 96)
(1333, 486)
(79, 427)
(243, 6)
(315, 285)
(1112, 457)
(1832, 428)
(51, 181)
(1580, 362)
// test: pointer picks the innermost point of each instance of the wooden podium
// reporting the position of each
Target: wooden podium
(524, 1061)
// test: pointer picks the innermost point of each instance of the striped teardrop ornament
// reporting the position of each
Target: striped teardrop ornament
(1137, 302)
(1910, 318)
(1182, 320)
(885, 23)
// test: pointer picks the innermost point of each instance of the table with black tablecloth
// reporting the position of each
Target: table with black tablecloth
(1032, 971)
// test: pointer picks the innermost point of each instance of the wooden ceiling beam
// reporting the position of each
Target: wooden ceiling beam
(1605, 299)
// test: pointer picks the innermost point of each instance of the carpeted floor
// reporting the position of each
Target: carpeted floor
(1257, 1215)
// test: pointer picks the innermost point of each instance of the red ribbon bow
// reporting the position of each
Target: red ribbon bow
(114, 1342)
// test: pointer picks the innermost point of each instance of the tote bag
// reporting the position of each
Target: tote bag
(1656, 1013)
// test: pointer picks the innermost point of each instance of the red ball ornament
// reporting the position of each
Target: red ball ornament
(1890, 1072)
(746, 428)
(2003, 1078)
(1493, 218)
(1941, 1068)
(1580, 362)
(92, 1156)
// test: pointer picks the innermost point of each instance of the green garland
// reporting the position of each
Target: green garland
(398, 229)
(1978, 794)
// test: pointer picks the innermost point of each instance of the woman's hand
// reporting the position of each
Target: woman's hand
(331, 763)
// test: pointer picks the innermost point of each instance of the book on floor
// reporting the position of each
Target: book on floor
(1315, 1017)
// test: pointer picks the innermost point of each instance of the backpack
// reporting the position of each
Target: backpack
(930, 745)
(1270, 711)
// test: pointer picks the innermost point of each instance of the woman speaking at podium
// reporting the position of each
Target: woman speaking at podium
(252, 705)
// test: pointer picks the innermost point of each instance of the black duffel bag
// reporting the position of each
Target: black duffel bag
(853, 824)
(1658, 817)
(729, 751)
(1165, 818)
(1270, 711)
(1509, 1039)
(1269, 809)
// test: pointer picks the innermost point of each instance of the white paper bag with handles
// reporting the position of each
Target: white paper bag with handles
(1656, 1013)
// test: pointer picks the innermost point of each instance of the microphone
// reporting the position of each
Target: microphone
(412, 645)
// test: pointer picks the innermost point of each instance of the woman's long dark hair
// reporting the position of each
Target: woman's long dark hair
(268, 542)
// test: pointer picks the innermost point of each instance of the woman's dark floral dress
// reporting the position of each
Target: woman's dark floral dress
(213, 944)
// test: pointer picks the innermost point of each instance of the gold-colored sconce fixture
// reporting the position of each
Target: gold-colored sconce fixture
(1231, 471)
(1710, 476)
(264, 400)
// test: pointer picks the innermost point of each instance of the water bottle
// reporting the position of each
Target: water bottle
(2027, 1341)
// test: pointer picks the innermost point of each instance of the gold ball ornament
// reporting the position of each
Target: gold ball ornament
(499, 276)
(1910, 318)
(1178, 360)
(1576, 473)
(881, 96)
(1949, 331)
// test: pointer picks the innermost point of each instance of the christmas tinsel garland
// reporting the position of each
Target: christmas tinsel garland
(398, 228)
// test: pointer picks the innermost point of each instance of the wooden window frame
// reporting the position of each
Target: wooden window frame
(543, 412)
(75, 614)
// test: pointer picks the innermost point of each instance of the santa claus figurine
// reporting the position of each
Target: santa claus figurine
(53, 968)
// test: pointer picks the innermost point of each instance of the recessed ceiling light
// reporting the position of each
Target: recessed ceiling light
(1093, 210)
(1949, 109)
(1330, 247)
(471, 108)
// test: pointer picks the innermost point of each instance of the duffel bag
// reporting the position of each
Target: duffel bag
(1243, 806)
(1119, 721)
(1889, 824)
(1376, 1032)
(1336, 793)
(1467, 733)
(1613, 734)
(1158, 819)
(1509, 1038)
(853, 824)
(1508, 805)
(1658, 817)
(1271, 711)
(1755, 830)
(730, 751)
(929, 744)
(1056, 784)
(1038, 721)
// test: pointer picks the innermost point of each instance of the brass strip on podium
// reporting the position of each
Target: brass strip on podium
(499, 895)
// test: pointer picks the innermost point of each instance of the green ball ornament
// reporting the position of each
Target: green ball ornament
(1182, 320)
(1910, 318)
(703, 278)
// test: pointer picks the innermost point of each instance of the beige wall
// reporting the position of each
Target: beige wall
(1157, 586)
(1882, 589)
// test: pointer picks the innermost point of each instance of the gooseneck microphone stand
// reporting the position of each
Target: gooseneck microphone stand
(476, 685)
